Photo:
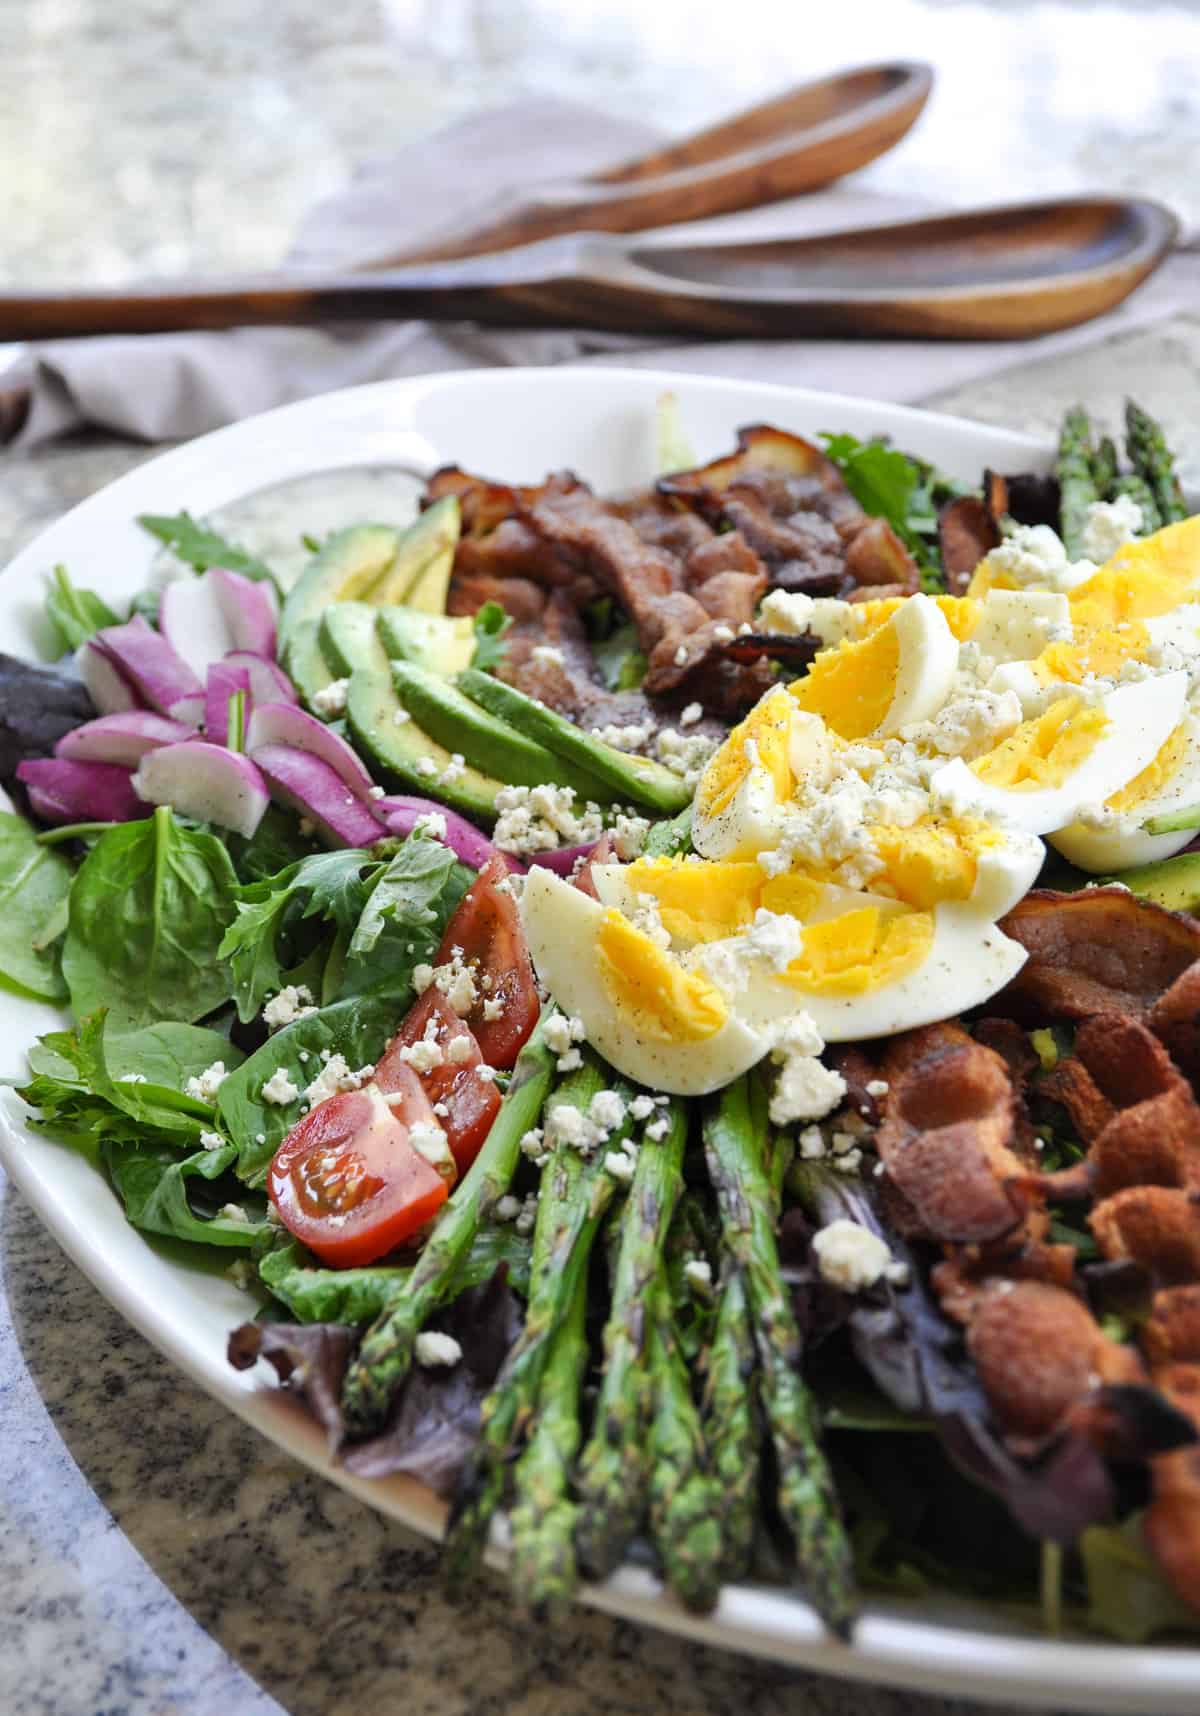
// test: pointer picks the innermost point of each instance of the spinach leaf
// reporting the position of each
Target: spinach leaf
(1128, 1598)
(153, 1185)
(328, 886)
(359, 1029)
(34, 884)
(201, 547)
(92, 1085)
(620, 662)
(148, 911)
(76, 615)
(905, 491)
(491, 623)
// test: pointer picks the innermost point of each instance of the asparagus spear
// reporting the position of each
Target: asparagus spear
(734, 1137)
(1077, 487)
(383, 1359)
(731, 1422)
(543, 1573)
(731, 1404)
(1105, 467)
(575, 1193)
(615, 1467)
(1139, 490)
(1153, 460)
(685, 1499)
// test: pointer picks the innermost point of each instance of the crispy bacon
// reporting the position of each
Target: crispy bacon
(967, 531)
(1101, 950)
(1175, 1018)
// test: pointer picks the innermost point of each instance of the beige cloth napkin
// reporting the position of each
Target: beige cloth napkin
(170, 386)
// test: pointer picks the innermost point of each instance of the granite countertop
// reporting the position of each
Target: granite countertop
(157, 1558)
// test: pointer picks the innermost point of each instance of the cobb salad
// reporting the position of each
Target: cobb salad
(681, 1005)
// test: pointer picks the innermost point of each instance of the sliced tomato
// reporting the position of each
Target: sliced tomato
(464, 1103)
(347, 1180)
(487, 929)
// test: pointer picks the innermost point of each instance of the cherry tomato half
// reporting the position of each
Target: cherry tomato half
(487, 930)
(470, 1102)
(347, 1180)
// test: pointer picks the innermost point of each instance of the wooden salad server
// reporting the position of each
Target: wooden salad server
(995, 273)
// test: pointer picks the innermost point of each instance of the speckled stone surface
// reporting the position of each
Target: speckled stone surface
(156, 1557)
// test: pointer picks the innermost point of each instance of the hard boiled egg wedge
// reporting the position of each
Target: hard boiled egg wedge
(744, 792)
(659, 1024)
(1073, 755)
(1170, 783)
(865, 969)
(900, 673)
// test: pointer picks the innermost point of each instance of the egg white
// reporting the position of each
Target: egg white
(1102, 850)
(969, 960)
(1141, 717)
(927, 664)
(561, 927)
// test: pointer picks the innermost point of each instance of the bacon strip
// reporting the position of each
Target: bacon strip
(1101, 950)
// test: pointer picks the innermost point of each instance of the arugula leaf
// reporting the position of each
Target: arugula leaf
(669, 839)
(328, 886)
(76, 615)
(402, 922)
(905, 491)
(491, 623)
(148, 911)
(275, 843)
(200, 547)
(1128, 1598)
(34, 884)
(405, 892)
(358, 1028)
(152, 1182)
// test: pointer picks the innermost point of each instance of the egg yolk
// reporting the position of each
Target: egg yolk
(761, 738)
(793, 894)
(1045, 751)
(1143, 579)
(931, 861)
(960, 613)
(699, 902)
(661, 1000)
(1103, 652)
(1157, 772)
(860, 951)
(851, 687)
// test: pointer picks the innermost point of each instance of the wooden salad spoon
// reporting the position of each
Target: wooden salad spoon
(996, 273)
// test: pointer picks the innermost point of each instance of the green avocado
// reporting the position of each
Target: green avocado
(398, 746)
(349, 638)
(349, 565)
(429, 551)
(431, 640)
(637, 779)
(485, 740)
(306, 663)
(1172, 882)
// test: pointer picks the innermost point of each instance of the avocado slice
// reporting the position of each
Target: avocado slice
(347, 567)
(424, 560)
(636, 778)
(349, 638)
(1172, 882)
(305, 662)
(431, 640)
(406, 754)
(485, 740)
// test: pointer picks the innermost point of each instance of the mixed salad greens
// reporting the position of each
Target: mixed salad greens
(258, 867)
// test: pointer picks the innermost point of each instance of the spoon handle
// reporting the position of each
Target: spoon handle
(795, 142)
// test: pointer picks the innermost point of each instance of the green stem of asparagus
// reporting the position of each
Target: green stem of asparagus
(383, 1360)
(735, 1139)
(684, 1497)
(575, 1193)
(1139, 490)
(731, 1423)
(615, 1467)
(543, 1573)
(1152, 459)
(1077, 488)
(1105, 466)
